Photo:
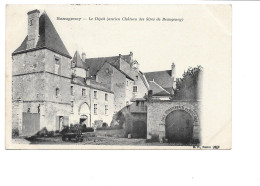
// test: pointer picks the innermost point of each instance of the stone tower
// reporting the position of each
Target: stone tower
(41, 75)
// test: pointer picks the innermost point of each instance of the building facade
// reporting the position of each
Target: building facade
(51, 89)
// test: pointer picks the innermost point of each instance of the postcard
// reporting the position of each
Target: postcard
(118, 77)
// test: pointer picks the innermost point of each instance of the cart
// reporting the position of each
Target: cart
(72, 132)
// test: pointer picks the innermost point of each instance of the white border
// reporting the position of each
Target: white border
(237, 166)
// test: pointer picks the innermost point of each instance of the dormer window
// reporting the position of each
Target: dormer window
(73, 64)
(134, 88)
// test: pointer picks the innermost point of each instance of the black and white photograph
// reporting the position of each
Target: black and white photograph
(119, 76)
(119, 92)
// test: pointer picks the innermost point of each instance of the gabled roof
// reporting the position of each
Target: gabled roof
(49, 38)
(126, 58)
(95, 64)
(162, 78)
(157, 89)
(144, 79)
(93, 84)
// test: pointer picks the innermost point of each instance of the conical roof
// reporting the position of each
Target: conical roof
(49, 38)
(77, 61)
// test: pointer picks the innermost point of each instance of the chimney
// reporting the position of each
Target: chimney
(135, 65)
(83, 56)
(150, 95)
(131, 56)
(87, 72)
(33, 28)
(173, 71)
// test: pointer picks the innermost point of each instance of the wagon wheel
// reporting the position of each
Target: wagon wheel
(77, 138)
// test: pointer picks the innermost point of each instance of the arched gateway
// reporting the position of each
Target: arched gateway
(179, 126)
(181, 123)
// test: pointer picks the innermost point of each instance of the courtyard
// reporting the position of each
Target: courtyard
(95, 140)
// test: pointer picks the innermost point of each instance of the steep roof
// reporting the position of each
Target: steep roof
(162, 78)
(93, 84)
(49, 38)
(157, 89)
(77, 60)
(126, 58)
(144, 79)
(95, 64)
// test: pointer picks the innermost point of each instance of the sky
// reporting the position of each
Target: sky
(155, 44)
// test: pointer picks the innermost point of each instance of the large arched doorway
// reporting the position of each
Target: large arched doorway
(84, 113)
(179, 126)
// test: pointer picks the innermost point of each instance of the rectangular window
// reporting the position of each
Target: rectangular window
(106, 97)
(106, 109)
(126, 83)
(95, 109)
(95, 94)
(83, 92)
(71, 90)
(57, 92)
(57, 65)
(134, 88)
(72, 105)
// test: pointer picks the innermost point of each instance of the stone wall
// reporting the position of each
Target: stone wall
(158, 110)
(119, 89)
(29, 87)
(89, 101)
(141, 88)
(50, 113)
(104, 75)
(101, 103)
(134, 73)
(29, 62)
(35, 81)
(78, 99)
(64, 64)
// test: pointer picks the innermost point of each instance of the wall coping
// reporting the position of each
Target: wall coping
(170, 101)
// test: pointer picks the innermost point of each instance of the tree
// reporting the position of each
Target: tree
(188, 87)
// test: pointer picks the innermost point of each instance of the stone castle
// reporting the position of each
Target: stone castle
(52, 89)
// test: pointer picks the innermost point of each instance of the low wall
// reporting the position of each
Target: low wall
(118, 133)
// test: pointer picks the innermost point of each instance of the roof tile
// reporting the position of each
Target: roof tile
(49, 38)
